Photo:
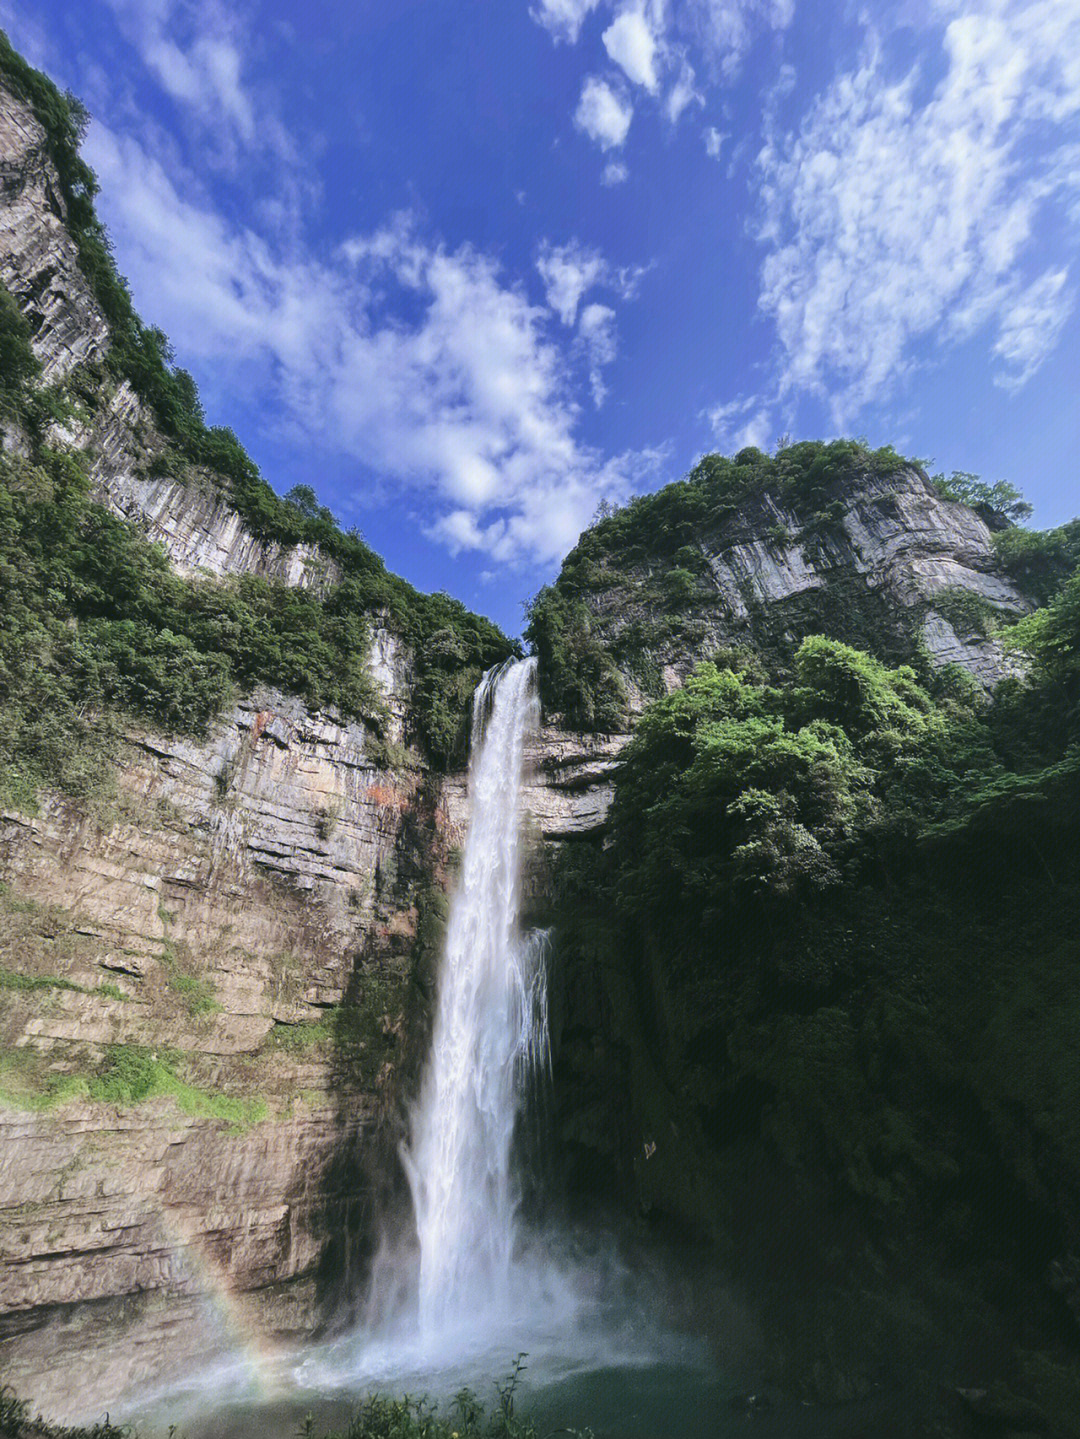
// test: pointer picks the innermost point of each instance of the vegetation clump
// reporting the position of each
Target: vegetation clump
(129, 1074)
(379, 1416)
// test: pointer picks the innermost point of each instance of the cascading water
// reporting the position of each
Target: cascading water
(490, 1036)
(486, 1291)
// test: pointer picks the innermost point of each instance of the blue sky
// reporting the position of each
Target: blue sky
(467, 268)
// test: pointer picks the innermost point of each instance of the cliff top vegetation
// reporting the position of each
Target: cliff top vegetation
(64, 556)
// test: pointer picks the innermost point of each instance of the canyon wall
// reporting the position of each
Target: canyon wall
(899, 570)
(206, 987)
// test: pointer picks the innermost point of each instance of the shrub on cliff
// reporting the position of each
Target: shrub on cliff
(17, 363)
(579, 680)
(733, 781)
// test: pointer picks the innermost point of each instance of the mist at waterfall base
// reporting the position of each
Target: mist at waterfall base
(608, 1342)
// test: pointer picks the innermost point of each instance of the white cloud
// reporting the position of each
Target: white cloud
(563, 18)
(567, 272)
(740, 423)
(725, 29)
(603, 114)
(202, 67)
(197, 50)
(615, 172)
(1030, 325)
(630, 42)
(470, 399)
(714, 141)
(650, 41)
(644, 30)
(597, 332)
(895, 220)
(684, 92)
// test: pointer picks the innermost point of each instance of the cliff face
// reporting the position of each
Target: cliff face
(896, 570)
(205, 989)
(38, 258)
(39, 266)
(248, 917)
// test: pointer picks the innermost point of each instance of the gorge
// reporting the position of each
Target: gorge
(792, 767)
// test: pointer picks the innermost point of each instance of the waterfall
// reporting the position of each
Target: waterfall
(490, 1036)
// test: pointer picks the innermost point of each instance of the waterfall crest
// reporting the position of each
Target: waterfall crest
(490, 1036)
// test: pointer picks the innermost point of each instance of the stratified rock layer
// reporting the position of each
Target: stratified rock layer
(243, 920)
(881, 575)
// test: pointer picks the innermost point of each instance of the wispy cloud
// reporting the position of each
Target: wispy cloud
(198, 51)
(1030, 325)
(570, 271)
(563, 19)
(725, 29)
(740, 423)
(597, 331)
(897, 220)
(651, 42)
(714, 141)
(567, 272)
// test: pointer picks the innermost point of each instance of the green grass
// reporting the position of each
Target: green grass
(12, 979)
(298, 1038)
(197, 994)
(131, 1075)
(378, 1417)
(113, 991)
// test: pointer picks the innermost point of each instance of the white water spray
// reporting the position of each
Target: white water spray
(486, 1291)
(490, 1037)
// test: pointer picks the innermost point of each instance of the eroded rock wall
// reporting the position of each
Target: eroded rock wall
(246, 918)
(39, 265)
(885, 574)
(204, 989)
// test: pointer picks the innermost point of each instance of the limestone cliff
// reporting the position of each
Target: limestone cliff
(205, 987)
(879, 560)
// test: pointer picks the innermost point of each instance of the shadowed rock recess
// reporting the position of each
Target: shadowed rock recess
(822, 1023)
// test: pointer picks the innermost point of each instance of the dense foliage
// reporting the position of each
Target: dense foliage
(1039, 561)
(17, 363)
(803, 476)
(831, 943)
(94, 624)
(732, 782)
(1000, 503)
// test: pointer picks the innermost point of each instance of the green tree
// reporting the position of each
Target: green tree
(999, 499)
